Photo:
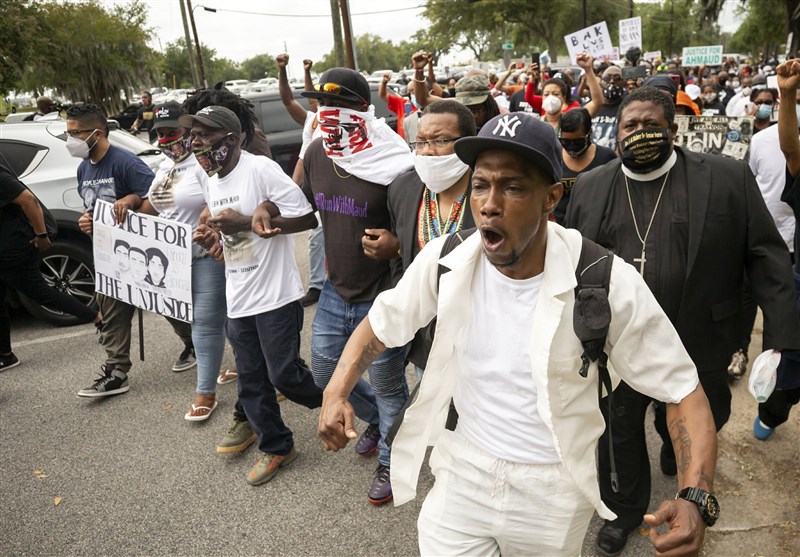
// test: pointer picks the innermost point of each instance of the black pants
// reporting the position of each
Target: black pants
(630, 445)
(749, 311)
(776, 410)
(266, 349)
(22, 274)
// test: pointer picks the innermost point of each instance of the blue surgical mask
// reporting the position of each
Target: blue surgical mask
(764, 111)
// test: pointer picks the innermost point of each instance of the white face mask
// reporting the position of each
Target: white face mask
(78, 148)
(551, 104)
(438, 173)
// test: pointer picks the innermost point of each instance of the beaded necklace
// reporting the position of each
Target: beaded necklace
(430, 223)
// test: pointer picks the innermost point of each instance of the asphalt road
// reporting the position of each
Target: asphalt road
(129, 476)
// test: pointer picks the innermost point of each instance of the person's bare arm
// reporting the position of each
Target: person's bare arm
(147, 208)
(336, 418)
(383, 92)
(435, 88)
(502, 79)
(294, 108)
(30, 206)
(694, 438)
(267, 221)
(788, 81)
(586, 62)
(419, 61)
(309, 83)
(130, 202)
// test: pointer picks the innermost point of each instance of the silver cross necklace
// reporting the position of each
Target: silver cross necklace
(642, 260)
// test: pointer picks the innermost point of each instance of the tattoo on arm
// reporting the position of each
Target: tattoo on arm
(680, 434)
(708, 479)
(369, 352)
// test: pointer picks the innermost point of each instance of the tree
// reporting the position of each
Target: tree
(260, 65)
(21, 37)
(373, 54)
(89, 54)
(759, 31)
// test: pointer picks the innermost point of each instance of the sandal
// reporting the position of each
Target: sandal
(200, 413)
(227, 376)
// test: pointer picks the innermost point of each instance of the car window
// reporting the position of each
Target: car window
(274, 117)
(19, 155)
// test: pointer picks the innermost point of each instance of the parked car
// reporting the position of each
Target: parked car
(377, 77)
(127, 117)
(36, 153)
(237, 85)
(285, 135)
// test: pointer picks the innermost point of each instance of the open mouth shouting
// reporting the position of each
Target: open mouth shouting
(492, 238)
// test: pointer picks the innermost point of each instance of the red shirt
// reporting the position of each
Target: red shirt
(535, 101)
(398, 106)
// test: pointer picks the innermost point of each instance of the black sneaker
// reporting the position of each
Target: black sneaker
(111, 382)
(380, 491)
(8, 361)
(186, 360)
(311, 297)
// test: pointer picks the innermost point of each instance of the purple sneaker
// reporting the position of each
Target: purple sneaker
(367, 444)
(380, 491)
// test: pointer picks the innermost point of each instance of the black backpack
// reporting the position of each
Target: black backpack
(591, 317)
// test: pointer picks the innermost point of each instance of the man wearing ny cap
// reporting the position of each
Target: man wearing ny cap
(347, 172)
(263, 286)
(518, 474)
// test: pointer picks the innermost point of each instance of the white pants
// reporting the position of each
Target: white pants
(482, 505)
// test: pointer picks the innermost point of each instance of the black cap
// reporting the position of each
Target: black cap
(662, 81)
(213, 117)
(530, 137)
(352, 86)
(166, 115)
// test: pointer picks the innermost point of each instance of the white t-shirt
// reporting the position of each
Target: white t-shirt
(311, 131)
(769, 167)
(495, 393)
(261, 273)
(177, 195)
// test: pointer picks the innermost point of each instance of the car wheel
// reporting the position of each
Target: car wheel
(69, 267)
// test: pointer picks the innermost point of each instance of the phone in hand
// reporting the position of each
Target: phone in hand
(535, 58)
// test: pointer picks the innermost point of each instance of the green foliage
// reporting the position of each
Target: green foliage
(21, 41)
(374, 54)
(86, 52)
(260, 65)
(764, 27)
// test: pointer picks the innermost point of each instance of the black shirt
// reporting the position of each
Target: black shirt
(347, 205)
(668, 242)
(15, 230)
(568, 176)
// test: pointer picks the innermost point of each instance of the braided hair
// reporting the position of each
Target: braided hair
(218, 95)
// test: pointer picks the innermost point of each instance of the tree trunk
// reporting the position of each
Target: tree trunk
(793, 11)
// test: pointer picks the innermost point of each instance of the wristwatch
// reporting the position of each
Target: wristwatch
(42, 235)
(706, 503)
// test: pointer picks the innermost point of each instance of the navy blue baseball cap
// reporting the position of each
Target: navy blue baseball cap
(529, 137)
(340, 84)
(166, 115)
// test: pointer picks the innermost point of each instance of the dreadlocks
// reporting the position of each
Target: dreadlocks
(219, 96)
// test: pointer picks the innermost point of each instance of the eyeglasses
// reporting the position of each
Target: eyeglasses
(336, 89)
(767, 102)
(435, 143)
(76, 133)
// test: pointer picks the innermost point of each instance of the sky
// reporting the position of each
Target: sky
(243, 28)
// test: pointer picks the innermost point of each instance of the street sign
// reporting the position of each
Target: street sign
(508, 46)
(702, 55)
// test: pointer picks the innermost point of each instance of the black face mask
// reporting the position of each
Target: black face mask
(452, 92)
(645, 150)
(576, 147)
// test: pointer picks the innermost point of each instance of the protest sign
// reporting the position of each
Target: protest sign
(718, 135)
(651, 55)
(630, 34)
(145, 261)
(702, 55)
(594, 39)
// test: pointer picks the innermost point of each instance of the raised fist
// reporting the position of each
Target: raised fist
(282, 60)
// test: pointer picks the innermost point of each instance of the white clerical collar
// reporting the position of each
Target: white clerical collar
(653, 174)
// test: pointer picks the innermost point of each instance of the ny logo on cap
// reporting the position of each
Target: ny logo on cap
(507, 125)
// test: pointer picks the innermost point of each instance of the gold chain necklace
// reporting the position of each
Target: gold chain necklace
(642, 260)
(337, 172)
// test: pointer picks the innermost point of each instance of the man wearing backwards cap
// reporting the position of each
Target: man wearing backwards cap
(518, 475)
(263, 286)
(347, 174)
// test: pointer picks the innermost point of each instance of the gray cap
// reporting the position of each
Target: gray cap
(213, 117)
(473, 89)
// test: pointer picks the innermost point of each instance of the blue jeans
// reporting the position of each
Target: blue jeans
(377, 402)
(316, 258)
(208, 320)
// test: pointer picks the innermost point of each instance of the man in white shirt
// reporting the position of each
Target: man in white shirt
(263, 286)
(518, 475)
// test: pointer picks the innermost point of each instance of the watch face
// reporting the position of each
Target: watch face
(712, 506)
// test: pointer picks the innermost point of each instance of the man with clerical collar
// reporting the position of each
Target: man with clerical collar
(691, 224)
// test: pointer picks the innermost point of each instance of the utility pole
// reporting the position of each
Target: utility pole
(350, 51)
(338, 46)
(200, 67)
(630, 3)
(189, 48)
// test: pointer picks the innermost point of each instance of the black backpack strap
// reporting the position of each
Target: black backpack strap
(591, 318)
(450, 243)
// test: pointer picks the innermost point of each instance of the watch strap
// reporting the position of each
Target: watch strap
(42, 235)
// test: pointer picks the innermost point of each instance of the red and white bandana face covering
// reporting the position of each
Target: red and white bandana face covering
(363, 145)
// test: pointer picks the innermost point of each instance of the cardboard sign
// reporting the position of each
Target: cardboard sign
(718, 135)
(702, 55)
(630, 34)
(652, 55)
(145, 261)
(595, 40)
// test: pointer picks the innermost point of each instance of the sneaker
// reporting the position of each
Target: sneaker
(762, 431)
(380, 491)
(738, 365)
(367, 444)
(8, 361)
(267, 466)
(227, 375)
(239, 437)
(186, 360)
(311, 297)
(111, 382)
